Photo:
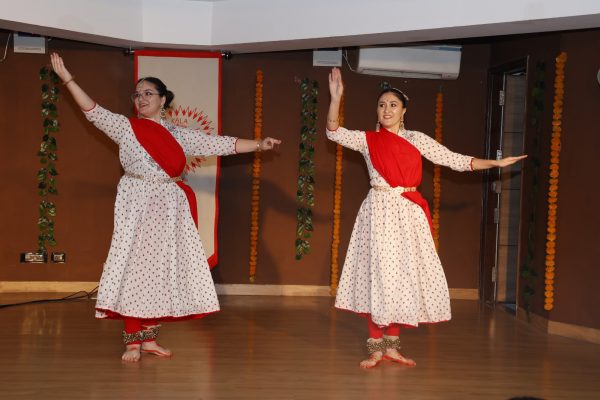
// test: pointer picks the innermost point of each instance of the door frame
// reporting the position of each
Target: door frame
(488, 286)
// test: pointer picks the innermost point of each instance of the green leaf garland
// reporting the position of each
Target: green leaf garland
(46, 175)
(528, 273)
(306, 168)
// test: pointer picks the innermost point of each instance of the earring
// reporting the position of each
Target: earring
(163, 113)
(377, 126)
(402, 124)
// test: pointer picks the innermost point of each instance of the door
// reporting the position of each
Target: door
(502, 189)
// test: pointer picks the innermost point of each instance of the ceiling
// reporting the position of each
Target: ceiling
(243, 26)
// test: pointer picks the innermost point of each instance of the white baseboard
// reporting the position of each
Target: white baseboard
(251, 289)
(222, 289)
(308, 290)
(574, 331)
(464, 294)
(45, 287)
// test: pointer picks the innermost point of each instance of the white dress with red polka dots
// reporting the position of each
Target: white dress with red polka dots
(392, 270)
(156, 265)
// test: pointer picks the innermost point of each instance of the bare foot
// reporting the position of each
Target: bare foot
(371, 362)
(132, 353)
(153, 348)
(394, 356)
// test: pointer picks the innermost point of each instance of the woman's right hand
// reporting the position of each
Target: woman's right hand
(59, 67)
(336, 86)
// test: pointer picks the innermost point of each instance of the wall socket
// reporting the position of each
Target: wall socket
(35, 258)
(42, 258)
(58, 257)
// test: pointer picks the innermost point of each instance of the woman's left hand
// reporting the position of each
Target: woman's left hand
(269, 143)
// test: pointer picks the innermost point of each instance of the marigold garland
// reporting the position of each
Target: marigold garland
(258, 111)
(337, 202)
(435, 215)
(555, 143)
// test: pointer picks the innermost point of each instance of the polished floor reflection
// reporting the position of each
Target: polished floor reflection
(287, 348)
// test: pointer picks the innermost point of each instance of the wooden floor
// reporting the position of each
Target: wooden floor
(287, 348)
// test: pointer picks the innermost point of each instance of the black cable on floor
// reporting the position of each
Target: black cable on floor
(82, 294)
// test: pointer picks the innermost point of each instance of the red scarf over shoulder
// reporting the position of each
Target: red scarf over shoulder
(399, 163)
(167, 153)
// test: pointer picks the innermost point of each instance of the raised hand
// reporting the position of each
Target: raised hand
(84, 101)
(336, 86)
(59, 67)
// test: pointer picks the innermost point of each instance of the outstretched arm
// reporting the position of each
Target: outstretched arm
(487, 164)
(248, 146)
(84, 101)
(336, 90)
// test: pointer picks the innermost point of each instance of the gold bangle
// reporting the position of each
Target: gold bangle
(70, 80)
(258, 145)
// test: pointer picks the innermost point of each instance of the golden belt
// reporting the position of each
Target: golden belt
(156, 179)
(400, 189)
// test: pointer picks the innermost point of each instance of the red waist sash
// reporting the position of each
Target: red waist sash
(167, 153)
(399, 163)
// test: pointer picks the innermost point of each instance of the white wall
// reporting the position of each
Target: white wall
(263, 25)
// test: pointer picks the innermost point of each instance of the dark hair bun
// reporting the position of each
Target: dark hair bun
(170, 96)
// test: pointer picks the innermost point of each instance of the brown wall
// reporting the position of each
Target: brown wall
(578, 253)
(89, 168)
(88, 165)
(577, 250)
(463, 131)
(537, 48)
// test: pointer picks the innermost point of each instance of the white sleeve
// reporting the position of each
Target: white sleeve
(439, 154)
(113, 125)
(354, 140)
(199, 143)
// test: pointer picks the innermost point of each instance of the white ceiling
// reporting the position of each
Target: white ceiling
(277, 25)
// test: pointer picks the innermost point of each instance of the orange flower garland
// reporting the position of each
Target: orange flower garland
(258, 109)
(559, 91)
(337, 201)
(435, 214)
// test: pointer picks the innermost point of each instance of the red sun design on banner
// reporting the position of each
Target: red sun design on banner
(194, 119)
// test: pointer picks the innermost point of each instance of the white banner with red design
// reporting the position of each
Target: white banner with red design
(195, 78)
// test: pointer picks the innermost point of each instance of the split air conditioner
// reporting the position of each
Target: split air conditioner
(29, 43)
(426, 62)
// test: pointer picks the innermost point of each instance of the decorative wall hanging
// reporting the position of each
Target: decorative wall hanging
(197, 106)
(306, 182)
(255, 208)
(47, 173)
(555, 144)
(528, 273)
(337, 206)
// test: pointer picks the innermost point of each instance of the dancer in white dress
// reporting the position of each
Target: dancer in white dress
(156, 268)
(392, 274)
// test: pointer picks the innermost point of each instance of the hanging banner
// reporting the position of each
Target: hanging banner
(195, 78)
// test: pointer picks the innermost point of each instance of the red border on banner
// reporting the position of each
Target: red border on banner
(214, 258)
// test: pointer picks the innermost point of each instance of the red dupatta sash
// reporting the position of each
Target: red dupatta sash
(399, 163)
(167, 153)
